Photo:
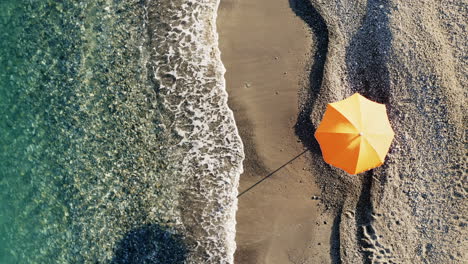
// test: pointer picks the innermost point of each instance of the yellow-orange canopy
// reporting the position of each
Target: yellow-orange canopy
(355, 134)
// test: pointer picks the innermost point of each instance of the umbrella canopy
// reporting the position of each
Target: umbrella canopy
(355, 134)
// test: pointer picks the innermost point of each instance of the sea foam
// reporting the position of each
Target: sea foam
(189, 74)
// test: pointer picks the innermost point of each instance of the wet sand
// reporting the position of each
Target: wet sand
(266, 50)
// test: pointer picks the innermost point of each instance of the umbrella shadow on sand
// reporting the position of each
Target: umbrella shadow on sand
(150, 244)
(366, 63)
(368, 52)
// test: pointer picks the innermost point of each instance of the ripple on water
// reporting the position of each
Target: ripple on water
(113, 124)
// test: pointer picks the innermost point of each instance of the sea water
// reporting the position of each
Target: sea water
(116, 142)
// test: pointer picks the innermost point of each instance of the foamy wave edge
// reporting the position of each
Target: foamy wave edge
(230, 225)
(206, 151)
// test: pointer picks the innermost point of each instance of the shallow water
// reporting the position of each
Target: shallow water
(114, 126)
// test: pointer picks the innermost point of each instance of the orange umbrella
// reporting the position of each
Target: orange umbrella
(355, 134)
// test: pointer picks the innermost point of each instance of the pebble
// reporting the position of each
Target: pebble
(276, 92)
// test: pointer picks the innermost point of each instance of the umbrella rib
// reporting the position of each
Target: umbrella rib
(356, 126)
(359, 106)
(341, 153)
(375, 151)
(352, 123)
(347, 119)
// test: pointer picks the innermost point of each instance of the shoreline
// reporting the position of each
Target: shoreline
(230, 226)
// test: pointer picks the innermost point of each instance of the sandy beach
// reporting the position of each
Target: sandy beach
(266, 50)
(285, 61)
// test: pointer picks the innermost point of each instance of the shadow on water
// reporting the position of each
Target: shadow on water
(304, 126)
(150, 244)
(367, 54)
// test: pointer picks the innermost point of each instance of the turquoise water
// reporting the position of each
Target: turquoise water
(69, 104)
(34, 206)
(116, 142)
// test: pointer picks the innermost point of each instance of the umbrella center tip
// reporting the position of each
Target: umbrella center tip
(361, 134)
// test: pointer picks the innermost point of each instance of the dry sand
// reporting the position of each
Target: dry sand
(409, 55)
